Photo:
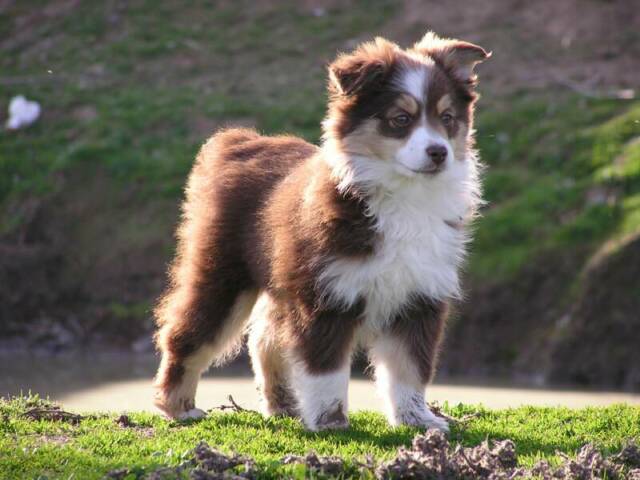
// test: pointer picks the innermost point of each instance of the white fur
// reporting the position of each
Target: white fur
(399, 385)
(193, 414)
(270, 365)
(229, 340)
(414, 81)
(318, 394)
(417, 253)
(413, 156)
(258, 342)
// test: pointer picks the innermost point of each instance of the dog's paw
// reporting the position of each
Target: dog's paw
(333, 418)
(280, 412)
(336, 424)
(422, 417)
(438, 423)
(193, 414)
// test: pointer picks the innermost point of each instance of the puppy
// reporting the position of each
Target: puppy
(317, 250)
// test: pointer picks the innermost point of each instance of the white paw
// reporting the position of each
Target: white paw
(438, 423)
(421, 417)
(193, 414)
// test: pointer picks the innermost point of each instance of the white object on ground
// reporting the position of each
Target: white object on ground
(193, 414)
(22, 112)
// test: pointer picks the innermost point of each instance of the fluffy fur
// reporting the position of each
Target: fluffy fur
(357, 242)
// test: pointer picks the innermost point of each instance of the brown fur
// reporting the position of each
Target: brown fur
(420, 327)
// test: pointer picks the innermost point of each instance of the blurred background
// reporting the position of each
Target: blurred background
(129, 90)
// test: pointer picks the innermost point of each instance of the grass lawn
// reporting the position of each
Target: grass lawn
(92, 446)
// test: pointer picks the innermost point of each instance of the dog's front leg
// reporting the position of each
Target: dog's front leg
(401, 386)
(404, 358)
(321, 361)
(322, 396)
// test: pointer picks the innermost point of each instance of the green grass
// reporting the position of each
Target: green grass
(563, 173)
(54, 449)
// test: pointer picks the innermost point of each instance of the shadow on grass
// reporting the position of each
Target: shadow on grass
(370, 430)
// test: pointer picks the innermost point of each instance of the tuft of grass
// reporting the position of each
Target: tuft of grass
(98, 444)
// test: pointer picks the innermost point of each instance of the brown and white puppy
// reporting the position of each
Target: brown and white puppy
(317, 250)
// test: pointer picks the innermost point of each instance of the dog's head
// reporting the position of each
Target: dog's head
(407, 111)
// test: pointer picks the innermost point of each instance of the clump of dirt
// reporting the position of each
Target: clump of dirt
(589, 464)
(432, 457)
(325, 465)
(211, 463)
(54, 413)
(124, 421)
(205, 463)
(629, 455)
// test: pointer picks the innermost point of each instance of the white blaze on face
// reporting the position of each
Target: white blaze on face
(412, 156)
(414, 82)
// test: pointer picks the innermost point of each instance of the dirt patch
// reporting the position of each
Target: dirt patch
(85, 264)
(578, 326)
(332, 466)
(590, 45)
(498, 313)
(593, 345)
(430, 456)
(205, 463)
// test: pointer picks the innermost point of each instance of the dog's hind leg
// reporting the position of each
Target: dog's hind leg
(271, 368)
(196, 338)
(202, 316)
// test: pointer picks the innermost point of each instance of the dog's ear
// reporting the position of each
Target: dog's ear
(455, 56)
(367, 66)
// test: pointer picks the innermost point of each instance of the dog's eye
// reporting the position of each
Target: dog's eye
(446, 118)
(401, 120)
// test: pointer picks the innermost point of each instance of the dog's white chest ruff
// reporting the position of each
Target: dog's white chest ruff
(417, 254)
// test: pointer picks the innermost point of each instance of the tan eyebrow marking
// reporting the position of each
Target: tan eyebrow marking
(444, 103)
(407, 103)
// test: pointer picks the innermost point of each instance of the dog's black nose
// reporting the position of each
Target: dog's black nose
(437, 154)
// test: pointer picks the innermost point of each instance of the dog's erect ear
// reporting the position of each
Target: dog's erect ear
(352, 73)
(349, 75)
(456, 56)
